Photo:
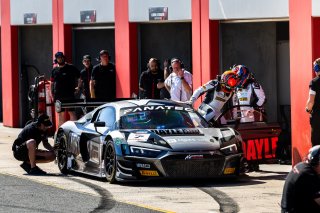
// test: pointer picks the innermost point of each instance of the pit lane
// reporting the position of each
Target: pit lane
(255, 192)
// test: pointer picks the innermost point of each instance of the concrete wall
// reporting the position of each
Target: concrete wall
(91, 42)
(178, 10)
(104, 10)
(248, 9)
(35, 46)
(254, 45)
(43, 9)
(316, 8)
(165, 41)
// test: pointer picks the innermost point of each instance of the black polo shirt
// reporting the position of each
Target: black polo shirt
(149, 81)
(85, 76)
(105, 81)
(315, 86)
(302, 186)
(31, 131)
(65, 80)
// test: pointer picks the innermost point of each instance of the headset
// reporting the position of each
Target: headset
(176, 60)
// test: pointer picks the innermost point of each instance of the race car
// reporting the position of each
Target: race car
(133, 140)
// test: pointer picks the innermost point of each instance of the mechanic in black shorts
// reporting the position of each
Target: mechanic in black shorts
(313, 104)
(65, 84)
(301, 191)
(103, 78)
(25, 147)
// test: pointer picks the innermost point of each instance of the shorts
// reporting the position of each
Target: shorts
(21, 153)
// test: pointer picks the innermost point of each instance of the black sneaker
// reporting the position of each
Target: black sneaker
(25, 166)
(36, 171)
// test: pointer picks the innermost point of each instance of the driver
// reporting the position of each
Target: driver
(248, 92)
(218, 92)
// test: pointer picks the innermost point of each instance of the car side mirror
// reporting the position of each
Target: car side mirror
(99, 124)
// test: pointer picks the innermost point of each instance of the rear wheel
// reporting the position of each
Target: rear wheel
(62, 156)
(110, 162)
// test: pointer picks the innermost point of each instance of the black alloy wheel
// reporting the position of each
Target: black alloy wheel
(110, 162)
(62, 156)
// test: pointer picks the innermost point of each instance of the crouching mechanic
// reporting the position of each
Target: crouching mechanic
(301, 191)
(25, 147)
(218, 92)
(248, 92)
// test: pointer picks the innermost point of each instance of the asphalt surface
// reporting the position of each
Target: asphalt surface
(22, 195)
(252, 193)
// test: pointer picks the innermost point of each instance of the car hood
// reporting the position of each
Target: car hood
(176, 139)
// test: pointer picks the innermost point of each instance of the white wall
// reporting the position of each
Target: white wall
(248, 9)
(43, 9)
(104, 10)
(178, 10)
(315, 7)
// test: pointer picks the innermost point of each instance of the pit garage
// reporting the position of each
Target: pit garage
(35, 58)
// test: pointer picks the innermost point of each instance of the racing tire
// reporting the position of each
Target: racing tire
(110, 162)
(62, 155)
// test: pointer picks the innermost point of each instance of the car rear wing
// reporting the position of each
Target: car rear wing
(74, 103)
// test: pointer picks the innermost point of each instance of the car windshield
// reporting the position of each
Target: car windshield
(162, 119)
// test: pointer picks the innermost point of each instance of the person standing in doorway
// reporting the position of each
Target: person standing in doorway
(85, 76)
(313, 104)
(151, 80)
(179, 82)
(103, 78)
(65, 84)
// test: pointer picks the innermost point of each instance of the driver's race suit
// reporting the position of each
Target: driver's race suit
(252, 95)
(214, 100)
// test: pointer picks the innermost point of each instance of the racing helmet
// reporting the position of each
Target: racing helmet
(243, 73)
(316, 65)
(229, 80)
(314, 155)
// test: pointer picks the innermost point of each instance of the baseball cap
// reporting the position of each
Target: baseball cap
(44, 119)
(59, 54)
(86, 57)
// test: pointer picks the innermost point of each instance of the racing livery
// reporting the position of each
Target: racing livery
(133, 140)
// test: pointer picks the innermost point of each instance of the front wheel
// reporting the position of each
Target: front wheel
(62, 156)
(110, 162)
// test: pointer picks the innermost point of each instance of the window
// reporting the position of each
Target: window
(107, 115)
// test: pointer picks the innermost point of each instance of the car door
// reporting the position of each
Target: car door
(91, 142)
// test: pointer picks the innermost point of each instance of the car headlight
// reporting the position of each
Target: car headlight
(144, 152)
(231, 149)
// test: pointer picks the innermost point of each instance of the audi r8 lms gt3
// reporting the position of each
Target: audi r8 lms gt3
(145, 139)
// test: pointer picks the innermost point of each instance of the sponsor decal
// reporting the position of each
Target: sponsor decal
(193, 157)
(228, 171)
(155, 108)
(143, 165)
(176, 131)
(149, 173)
(117, 141)
(220, 99)
(138, 137)
(258, 149)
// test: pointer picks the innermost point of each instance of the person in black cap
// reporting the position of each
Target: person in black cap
(85, 75)
(65, 84)
(103, 78)
(25, 147)
(301, 191)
